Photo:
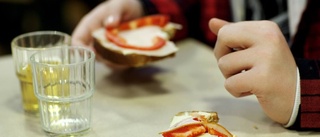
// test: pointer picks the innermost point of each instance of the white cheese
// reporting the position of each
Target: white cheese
(141, 37)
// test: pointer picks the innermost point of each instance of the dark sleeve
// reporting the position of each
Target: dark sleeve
(309, 111)
(148, 7)
(173, 8)
(193, 15)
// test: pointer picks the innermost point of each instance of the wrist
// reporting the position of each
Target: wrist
(296, 103)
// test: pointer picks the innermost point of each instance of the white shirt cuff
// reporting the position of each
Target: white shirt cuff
(296, 103)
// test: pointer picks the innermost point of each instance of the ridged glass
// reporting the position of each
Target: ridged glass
(63, 79)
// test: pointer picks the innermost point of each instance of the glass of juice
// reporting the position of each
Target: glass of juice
(23, 46)
(64, 82)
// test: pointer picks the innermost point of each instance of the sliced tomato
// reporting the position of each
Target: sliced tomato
(158, 42)
(189, 130)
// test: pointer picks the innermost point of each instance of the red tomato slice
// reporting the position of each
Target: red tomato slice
(189, 130)
(158, 42)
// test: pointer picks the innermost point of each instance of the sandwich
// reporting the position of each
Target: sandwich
(196, 124)
(137, 42)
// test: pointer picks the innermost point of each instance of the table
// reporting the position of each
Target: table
(142, 101)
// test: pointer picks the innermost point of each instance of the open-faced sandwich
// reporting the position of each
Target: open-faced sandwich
(196, 124)
(137, 42)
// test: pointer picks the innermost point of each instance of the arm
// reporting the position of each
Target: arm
(305, 48)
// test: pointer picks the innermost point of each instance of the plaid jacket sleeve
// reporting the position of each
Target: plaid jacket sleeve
(309, 112)
(306, 49)
(193, 15)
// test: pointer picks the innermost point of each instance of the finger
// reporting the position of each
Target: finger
(112, 20)
(236, 62)
(90, 22)
(82, 33)
(216, 24)
(236, 36)
(241, 84)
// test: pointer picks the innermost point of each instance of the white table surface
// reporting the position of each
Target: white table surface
(141, 102)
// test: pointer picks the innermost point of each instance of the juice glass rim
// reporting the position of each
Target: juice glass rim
(35, 33)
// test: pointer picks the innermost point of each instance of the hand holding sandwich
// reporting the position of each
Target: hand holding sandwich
(109, 13)
(255, 59)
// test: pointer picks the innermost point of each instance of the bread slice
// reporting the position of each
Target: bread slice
(131, 57)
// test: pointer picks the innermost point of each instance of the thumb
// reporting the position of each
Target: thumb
(216, 24)
(111, 21)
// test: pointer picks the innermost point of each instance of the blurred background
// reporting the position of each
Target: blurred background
(21, 16)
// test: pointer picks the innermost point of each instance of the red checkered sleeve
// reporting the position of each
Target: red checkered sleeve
(310, 108)
(193, 15)
(309, 112)
(306, 49)
(306, 43)
(213, 8)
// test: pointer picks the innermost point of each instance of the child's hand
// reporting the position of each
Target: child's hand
(254, 57)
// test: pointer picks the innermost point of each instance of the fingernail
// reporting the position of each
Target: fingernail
(110, 20)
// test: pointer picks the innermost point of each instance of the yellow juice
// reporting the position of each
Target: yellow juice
(56, 85)
(55, 81)
(29, 100)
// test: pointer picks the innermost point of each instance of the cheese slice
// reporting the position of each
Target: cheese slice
(141, 37)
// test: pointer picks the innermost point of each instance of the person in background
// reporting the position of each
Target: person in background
(193, 15)
(286, 87)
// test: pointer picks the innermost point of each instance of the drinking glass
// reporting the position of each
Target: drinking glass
(23, 46)
(63, 80)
